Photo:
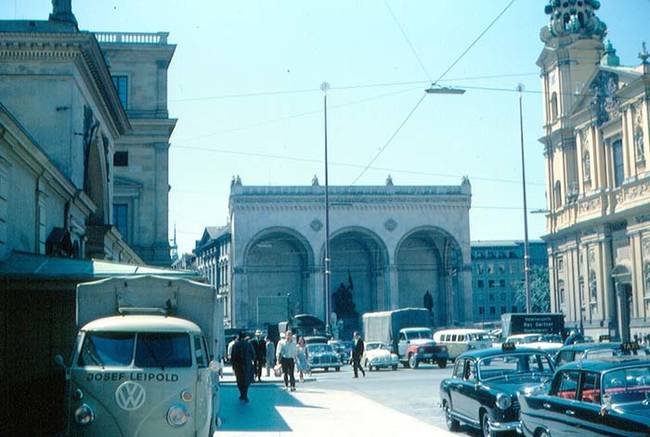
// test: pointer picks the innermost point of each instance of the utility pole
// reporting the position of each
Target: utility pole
(324, 88)
(520, 89)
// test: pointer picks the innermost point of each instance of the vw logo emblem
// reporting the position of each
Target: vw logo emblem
(130, 396)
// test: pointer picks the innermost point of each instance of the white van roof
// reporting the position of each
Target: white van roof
(462, 331)
(142, 323)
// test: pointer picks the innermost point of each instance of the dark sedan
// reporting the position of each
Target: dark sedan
(482, 391)
(606, 397)
(594, 351)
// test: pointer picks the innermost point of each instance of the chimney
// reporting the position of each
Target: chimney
(62, 13)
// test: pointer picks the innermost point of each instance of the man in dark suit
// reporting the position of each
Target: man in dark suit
(357, 353)
(259, 346)
(242, 364)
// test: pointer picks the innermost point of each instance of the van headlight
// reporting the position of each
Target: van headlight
(504, 401)
(84, 415)
(177, 415)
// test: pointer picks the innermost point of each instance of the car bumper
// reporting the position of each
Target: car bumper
(505, 426)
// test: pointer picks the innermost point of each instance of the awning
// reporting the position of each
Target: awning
(28, 266)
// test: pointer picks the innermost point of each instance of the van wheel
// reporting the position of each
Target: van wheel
(442, 363)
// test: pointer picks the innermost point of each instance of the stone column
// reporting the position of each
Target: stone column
(393, 290)
(622, 291)
(318, 301)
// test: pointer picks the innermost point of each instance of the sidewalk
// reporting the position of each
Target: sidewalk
(229, 378)
(310, 411)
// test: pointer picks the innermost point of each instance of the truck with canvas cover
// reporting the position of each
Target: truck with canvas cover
(407, 331)
(146, 358)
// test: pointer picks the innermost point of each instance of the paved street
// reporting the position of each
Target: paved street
(383, 403)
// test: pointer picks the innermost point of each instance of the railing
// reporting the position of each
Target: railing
(132, 37)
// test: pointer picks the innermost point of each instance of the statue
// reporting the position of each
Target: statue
(62, 12)
(428, 301)
(343, 302)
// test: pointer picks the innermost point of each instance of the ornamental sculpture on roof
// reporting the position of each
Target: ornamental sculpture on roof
(573, 17)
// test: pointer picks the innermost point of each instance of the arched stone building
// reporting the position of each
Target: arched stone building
(389, 245)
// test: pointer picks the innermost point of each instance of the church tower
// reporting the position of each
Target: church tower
(573, 45)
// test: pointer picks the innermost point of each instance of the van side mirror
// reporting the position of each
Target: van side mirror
(58, 360)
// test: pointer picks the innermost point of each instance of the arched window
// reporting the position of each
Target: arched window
(554, 109)
(586, 166)
(557, 193)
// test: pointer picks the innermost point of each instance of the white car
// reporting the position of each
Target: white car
(545, 342)
(379, 356)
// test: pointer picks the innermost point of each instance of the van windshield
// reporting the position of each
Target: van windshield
(107, 349)
(167, 349)
(153, 349)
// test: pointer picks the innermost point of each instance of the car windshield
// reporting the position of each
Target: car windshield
(167, 349)
(627, 385)
(425, 333)
(374, 346)
(107, 349)
(513, 365)
(319, 348)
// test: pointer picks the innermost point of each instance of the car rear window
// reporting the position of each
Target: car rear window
(167, 349)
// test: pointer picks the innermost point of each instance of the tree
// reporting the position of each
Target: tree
(540, 293)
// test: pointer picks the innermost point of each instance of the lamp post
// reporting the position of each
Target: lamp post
(324, 88)
(520, 89)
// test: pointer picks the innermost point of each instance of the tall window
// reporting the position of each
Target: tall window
(557, 192)
(121, 219)
(586, 166)
(646, 281)
(593, 292)
(561, 291)
(619, 170)
(554, 109)
(121, 84)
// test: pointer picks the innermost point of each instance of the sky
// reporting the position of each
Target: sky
(244, 85)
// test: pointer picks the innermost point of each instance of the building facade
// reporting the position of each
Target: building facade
(212, 261)
(596, 145)
(498, 276)
(388, 244)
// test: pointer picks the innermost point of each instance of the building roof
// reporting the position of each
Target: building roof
(142, 323)
(348, 190)
(24, 265)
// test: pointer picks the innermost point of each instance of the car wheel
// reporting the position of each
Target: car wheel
(413, 361)
(442, 363)
(394, 366)
(543, 433)
(485, 426)
(452, 424)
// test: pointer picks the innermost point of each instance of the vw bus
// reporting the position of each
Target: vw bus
(462, 340)
(149, 370)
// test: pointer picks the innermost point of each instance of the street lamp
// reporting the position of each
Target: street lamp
(520, 89)
(324, 88)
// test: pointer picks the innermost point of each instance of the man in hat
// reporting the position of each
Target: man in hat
(259, 346)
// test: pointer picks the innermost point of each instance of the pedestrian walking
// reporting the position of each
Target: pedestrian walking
(270, 355)
(357, 353)
(242, 358)
(286, 355)
(259, 346)
(301, 359)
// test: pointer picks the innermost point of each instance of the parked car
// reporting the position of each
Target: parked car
(482, 391)
(378, 355)
(322, 356)
(594, 351)
(592, 397)
(416, 345)
(343, 348)
(550, 343)
(458, 341)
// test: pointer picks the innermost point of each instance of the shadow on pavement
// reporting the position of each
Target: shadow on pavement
(258, 415)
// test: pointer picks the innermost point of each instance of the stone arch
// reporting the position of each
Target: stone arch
(358, 255)
(96, 181)
(278, 262)
(429, 258)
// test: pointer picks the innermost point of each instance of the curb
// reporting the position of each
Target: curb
(232, 381)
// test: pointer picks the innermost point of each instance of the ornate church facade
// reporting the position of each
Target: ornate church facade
(597, 146)
(389, 245)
